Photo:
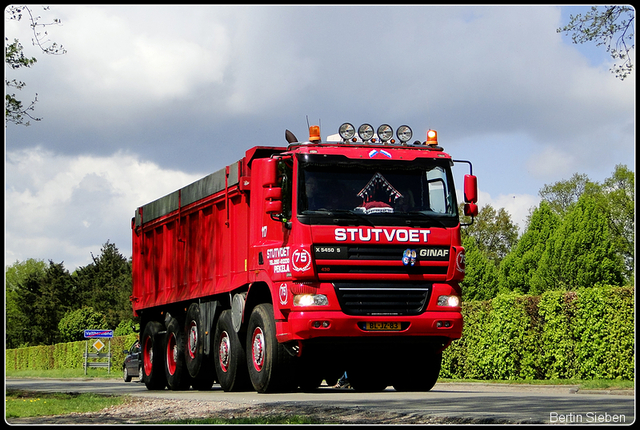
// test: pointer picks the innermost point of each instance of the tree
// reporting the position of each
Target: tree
(612, 27)
(494, 232)
(518, 267)
(563, 194)
(14, 57)
(42, 300)
(105, 285)
(16, 320)
(619, 192)
(74, 323)
(581, 252)
(481, 275)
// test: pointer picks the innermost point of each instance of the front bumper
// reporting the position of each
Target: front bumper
(306, 325)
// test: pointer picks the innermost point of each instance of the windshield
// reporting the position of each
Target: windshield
(381, 192)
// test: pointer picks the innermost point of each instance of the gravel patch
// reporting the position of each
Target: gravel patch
(138, 410)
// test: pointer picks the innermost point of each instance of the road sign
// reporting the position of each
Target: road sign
(90, 334)
(98, 345)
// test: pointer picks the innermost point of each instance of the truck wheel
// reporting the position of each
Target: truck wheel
(206, 377)
(152, 350)
(366, 378)
(310, 382)
(229, 357)
(175, 368)
(419, 376)
(271, 367)
(198, 365)
(194, 350)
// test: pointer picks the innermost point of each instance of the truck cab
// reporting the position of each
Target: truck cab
(362, 243)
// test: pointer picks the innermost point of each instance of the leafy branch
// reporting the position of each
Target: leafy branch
(15, 111)
(613, 28)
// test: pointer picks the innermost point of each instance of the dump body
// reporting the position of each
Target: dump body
(373, 277)
(194, 242)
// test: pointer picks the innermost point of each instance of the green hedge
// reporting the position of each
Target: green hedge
(588, 334)
(64, 355)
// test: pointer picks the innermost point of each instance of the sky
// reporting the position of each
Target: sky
(148, 99)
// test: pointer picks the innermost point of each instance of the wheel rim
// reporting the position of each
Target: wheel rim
(172, 353)
(148, 355)
(224, 351)
(193, 339)
(258, 349)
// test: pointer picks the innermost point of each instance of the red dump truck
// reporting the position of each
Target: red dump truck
(298, 263)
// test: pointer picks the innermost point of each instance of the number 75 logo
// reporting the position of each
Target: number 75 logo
(301, 260)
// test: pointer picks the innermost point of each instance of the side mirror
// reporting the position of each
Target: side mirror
(470, 189)
(470, 196)
(270, 172)
(471, 209)
(272, 193)
(273, 196)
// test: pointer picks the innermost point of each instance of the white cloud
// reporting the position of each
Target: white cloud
(63, 208)
(517, 205)
(139, 57)
(192, 87)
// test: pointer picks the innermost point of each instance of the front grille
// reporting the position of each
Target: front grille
(375, 252)
(379, 252)
(353, 259)
(362, 298)
(383, 270)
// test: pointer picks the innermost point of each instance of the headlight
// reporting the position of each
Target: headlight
(346, 131)
(385, 132)
(404, 133)
(310, 300)
(450, 301)
(365, 131)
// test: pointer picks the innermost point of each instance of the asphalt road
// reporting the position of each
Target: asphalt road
(475, 402)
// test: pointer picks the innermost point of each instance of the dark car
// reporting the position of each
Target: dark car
(132, 366)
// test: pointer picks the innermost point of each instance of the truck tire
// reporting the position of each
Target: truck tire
(152, 352)
(367, 379)
(229, 357)
(194, 348)
(206, 377)
(198, 365)
(271, 367)
(419, 375)
(175, 369)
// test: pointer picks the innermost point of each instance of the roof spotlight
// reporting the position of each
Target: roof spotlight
(404, 133)
(365, 131)
(385, 132)
(346, 131)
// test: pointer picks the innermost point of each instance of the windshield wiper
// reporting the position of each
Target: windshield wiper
(426, 218)
(352, 216)
(342, 216)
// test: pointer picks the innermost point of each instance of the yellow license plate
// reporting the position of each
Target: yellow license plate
(382, 326)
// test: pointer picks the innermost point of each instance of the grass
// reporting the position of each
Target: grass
(583, 384)
(92, 372)
(21, 404)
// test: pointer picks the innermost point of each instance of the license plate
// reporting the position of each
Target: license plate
(382, 326)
